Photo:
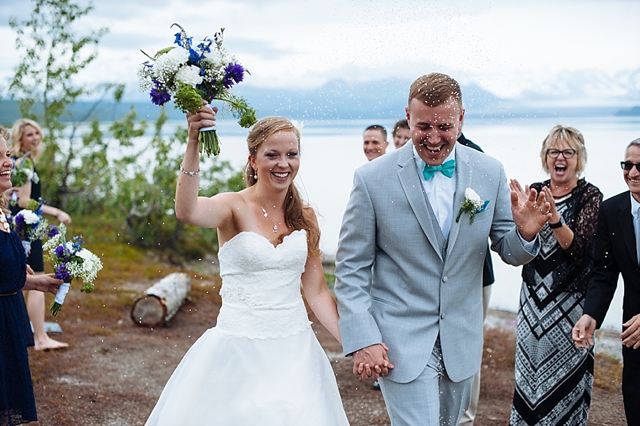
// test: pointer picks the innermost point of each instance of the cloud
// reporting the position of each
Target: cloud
(503, 46)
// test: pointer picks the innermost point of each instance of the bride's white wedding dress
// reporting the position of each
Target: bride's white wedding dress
(261, 364)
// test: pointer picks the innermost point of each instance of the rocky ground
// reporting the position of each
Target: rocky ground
(114, 371)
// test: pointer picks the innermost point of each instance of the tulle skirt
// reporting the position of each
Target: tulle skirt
(230, 380)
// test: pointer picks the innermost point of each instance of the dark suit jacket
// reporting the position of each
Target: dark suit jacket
(615, 247)
(488, 277)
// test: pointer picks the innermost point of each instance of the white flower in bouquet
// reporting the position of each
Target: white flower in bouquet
(89, 267)
(167, 65)
(190, 75)
(29, 217)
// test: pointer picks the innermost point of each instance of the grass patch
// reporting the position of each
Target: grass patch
(607, 372)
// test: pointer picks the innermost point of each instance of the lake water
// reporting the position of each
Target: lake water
(332, 150)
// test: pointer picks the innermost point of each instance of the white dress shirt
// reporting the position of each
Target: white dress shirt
(440, 191)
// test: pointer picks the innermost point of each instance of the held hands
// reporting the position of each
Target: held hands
(372, 361)
(582, 332)
(530, 210)
(631, 336)
(205, 117)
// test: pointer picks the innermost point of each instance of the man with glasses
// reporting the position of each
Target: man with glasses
(618, 252)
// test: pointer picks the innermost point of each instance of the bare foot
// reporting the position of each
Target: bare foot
(49, 343)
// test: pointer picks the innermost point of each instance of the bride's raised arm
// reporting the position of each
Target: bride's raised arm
(200, 211)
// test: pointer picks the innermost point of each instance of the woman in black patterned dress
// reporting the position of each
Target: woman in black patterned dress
(553, 376)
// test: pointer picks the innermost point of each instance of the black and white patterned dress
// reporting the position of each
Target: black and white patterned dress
(553, 376)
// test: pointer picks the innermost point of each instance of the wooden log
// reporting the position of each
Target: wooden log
(160, 302)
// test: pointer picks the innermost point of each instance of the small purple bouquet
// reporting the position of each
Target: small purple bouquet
(29, 225)
(188, 74)
(70, 261)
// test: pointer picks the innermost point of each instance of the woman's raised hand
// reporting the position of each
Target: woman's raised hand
(205, 117)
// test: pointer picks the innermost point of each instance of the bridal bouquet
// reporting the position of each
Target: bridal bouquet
(29, 225)
(70, 261)
(188, 74)
(21, 173)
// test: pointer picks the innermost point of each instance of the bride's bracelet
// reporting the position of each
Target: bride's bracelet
(188, 173)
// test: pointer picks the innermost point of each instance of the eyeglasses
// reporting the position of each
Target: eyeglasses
(566, 153)
(628, 165)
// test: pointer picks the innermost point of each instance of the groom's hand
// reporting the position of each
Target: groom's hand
(372, 361)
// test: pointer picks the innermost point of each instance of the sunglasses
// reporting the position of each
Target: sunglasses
(628, 165)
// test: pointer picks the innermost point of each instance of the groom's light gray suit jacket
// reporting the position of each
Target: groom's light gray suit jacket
(400, 282)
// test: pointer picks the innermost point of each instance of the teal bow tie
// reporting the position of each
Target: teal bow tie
(447, 169)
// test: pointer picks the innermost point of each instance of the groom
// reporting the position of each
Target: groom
(410, 256)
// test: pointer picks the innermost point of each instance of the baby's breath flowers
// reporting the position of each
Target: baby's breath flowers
(70, 261)
(187, 74)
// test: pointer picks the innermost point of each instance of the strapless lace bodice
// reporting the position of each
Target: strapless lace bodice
(261, 286)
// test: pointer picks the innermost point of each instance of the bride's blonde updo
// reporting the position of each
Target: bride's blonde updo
(297, 214)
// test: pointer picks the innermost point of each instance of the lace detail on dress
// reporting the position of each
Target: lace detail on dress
(239, 293)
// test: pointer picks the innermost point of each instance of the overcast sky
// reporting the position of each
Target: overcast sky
(505, 46)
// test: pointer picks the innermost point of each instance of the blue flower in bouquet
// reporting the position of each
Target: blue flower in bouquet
(29, 224)
(158, 95)
(62, 273)
(70, 261)
(187, 75)
(233, 73)
(53, 231)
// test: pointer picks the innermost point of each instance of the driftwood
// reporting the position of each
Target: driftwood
(160, 302)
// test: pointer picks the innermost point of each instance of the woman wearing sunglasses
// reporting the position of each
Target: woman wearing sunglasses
(553, 376)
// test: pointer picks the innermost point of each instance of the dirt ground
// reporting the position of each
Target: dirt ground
(114, 371)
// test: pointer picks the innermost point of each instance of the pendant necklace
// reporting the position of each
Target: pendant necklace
(5, 224)
(265, 214)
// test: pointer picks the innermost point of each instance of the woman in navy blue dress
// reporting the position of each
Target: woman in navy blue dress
(17, 402)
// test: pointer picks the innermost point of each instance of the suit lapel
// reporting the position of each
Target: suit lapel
(626, 223)
(410, 180)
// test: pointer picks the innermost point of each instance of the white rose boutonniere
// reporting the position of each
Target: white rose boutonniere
(472, 204)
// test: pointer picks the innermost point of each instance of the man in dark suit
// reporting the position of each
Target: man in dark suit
(488, 278)
(618, 252)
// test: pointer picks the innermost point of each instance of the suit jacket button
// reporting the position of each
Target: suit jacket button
(442, 315)
(445, 279)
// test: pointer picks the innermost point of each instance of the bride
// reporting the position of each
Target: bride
(262, 363)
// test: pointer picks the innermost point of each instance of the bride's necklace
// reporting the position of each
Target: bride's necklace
(4, 223)
(265, 214)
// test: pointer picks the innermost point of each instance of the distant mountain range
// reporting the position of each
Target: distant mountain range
(340, 100)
